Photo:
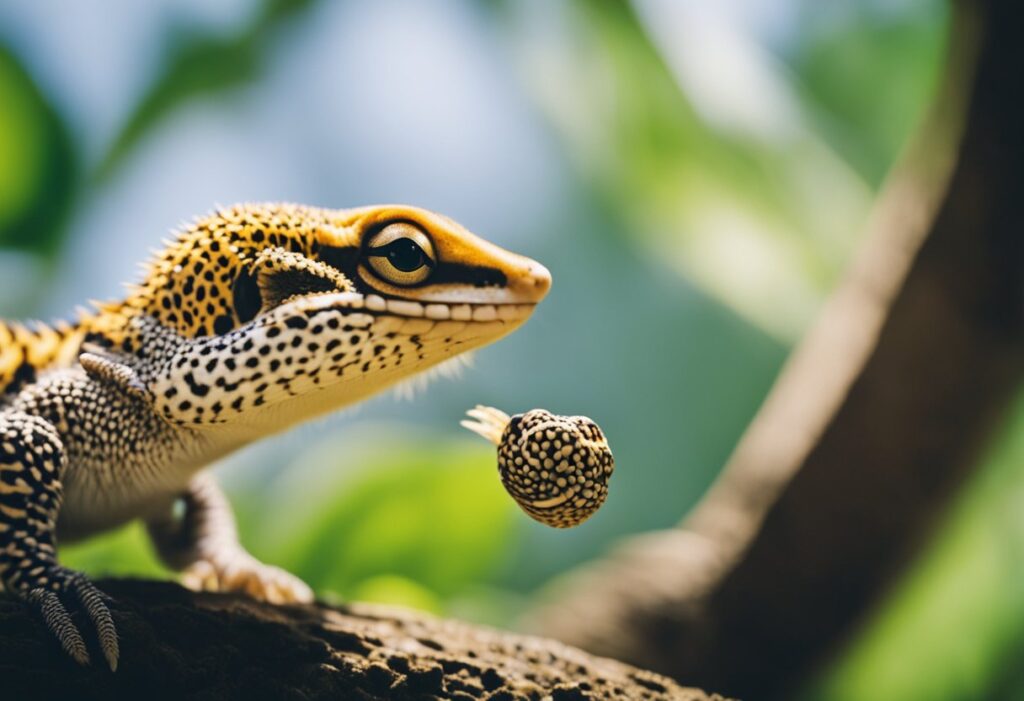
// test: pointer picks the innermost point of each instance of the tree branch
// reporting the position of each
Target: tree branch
(177, 644)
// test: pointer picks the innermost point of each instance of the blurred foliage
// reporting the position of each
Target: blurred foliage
(954, 629)
(895, 59)
(725, 197)
(124, 551)
(200, 64)
(402, 505)
(382, 515)
(676, 192)
(37, 163)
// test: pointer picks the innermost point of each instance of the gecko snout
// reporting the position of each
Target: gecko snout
(532, 283)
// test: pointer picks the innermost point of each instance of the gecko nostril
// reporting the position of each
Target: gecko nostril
(532, 282)
(541, 277)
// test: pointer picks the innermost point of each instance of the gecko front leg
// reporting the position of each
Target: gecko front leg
(31, 461)
(203, 542)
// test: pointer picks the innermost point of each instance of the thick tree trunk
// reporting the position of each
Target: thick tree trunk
(176, 644)
(874, 422)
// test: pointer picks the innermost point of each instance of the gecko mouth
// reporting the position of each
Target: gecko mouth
(440, 311)
(433, 311)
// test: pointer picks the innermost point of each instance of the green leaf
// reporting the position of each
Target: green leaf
(764, 219)
(418, 509)
(954, 628)
(125, 551)
(868, 78)
(200, 64)
(37, 163)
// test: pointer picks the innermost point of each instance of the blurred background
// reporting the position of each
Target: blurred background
(696, 175)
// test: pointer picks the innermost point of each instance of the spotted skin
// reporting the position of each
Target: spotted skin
(251, 320)
(555, 467)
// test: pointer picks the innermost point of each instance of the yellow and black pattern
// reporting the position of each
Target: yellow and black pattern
(27, 349)
(31, 460)
(249, 321)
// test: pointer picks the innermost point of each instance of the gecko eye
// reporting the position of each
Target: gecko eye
(401, 254)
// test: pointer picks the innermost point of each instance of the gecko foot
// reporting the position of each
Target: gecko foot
(245, 574)
(55, 614)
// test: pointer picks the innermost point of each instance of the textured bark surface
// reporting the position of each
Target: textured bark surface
(876, 419)
(176, 644)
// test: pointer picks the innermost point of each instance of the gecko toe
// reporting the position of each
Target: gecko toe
(58, 620)
(94, 603)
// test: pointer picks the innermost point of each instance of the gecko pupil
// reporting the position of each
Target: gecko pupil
(404, 254)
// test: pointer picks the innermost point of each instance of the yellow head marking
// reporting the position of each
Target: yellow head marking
(259, 316)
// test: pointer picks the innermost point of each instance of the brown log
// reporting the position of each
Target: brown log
(876, 419)
(176, 644)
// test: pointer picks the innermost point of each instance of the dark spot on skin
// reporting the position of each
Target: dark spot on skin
(25, 374)
(247, 297)
(197, 388)
(223, 324)
(296, 322)
(339, 257)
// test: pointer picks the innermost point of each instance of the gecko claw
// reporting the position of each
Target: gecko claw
(58, 620)
(77, 590)
(94, 603)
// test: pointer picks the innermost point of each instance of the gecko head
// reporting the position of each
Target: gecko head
(274, 314)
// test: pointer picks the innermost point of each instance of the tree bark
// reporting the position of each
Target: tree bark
(177, 644)
(876, 419)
